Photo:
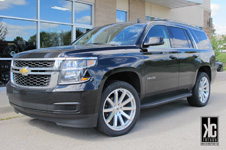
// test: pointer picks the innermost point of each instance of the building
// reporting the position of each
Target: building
(30, 24)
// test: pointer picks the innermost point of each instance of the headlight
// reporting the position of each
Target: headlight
(74, 71)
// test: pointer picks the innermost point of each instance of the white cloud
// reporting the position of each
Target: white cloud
(67, 5)
(78, 7)
(85, 19)
(9, 3)
(59, 8)
(45, 26)
(81, 7)
(215, 8)
(220, 30)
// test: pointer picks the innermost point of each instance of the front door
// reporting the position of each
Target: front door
(161, 64)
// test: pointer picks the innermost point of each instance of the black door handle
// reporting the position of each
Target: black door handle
(196, 56)
(172, 57)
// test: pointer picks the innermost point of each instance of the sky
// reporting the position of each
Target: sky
(218, 8)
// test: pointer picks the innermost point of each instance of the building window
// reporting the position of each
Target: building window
(19, 8)
(55, 10)
(83, 13)
(52, 35)
(121, 16)
(18, 36)
(56, 19)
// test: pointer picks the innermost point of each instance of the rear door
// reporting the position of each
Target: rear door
(188, 56)
(161, 64)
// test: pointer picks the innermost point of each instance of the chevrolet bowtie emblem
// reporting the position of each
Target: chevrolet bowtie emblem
(24, 71)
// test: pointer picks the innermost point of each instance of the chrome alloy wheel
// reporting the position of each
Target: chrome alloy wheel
(204, 89)
(119, 109)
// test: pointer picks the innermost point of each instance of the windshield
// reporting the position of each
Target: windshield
(117, 34)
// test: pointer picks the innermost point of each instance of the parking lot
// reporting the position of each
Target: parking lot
(172, 126)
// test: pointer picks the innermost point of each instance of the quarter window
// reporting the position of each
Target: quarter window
(179, 38)
(159, 31)
(203, 41)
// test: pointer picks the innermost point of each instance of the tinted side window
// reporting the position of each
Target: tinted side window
(203, 41)
(179, 38)
(159, 31)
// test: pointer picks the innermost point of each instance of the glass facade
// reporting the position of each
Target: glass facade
(56, 10)
(53, 35)
(121, 16)
(16, 8)
(19, 36)
(83, 13)
(31, 24)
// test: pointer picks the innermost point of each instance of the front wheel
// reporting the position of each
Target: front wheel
(201, 91)
(119, 109)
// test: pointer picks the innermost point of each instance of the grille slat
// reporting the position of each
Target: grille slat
(32, 80)
(34, 64)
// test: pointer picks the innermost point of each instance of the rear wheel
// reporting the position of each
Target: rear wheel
(119, 109)
(201, 91)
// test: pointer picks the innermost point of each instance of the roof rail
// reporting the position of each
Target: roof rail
(172, 21)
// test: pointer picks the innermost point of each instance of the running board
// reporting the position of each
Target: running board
(164, 101)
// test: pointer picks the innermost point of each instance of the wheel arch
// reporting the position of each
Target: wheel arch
(205, 69)
(129, 75)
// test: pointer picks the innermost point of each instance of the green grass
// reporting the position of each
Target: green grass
(8, 118)
(222, 58)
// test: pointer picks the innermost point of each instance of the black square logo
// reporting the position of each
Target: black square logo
(209, 131)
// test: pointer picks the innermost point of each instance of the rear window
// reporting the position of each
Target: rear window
(179, 38)
(202, 40)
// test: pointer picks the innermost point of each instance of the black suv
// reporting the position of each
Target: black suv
(107, 75)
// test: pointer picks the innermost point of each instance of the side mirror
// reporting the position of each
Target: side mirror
(154, 41)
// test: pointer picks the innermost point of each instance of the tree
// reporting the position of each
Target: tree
(18, 38)
(51, 39)
(32, 39)
(66, 37)
(217, 43)
(3, 31)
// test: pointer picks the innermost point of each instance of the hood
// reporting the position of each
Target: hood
(64, 51)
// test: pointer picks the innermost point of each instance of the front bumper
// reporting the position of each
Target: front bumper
(63, 105)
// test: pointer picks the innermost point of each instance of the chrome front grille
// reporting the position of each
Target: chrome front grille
(36, 73)
(32, 80)
(34, 64)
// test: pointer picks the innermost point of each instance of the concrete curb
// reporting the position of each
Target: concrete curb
(6, 109)
(4, 106)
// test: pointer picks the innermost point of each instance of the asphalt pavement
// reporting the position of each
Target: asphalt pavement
(175, 126)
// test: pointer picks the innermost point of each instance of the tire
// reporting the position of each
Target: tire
(113, 119)
(201, 91)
